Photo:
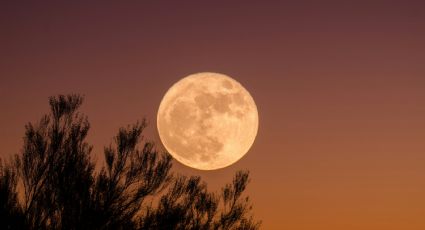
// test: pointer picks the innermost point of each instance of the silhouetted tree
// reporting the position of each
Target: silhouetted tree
(188, 205)
(130, 176)
(10, 213)
(134, 190)
(55, 168)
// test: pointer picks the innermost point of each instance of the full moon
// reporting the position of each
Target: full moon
(207, 121)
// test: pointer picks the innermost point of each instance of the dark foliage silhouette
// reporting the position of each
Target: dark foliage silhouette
(10, 213)
(52, 183)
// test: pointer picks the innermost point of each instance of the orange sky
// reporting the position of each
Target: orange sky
(340, 89)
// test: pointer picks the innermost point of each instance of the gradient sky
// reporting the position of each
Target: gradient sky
(340, 88)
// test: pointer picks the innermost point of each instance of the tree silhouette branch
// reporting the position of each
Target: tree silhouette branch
(135, 189)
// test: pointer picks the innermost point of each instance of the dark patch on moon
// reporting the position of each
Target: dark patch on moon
(204, 100)
(227, 84)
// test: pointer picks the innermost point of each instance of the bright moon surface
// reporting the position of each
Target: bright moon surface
(207, 121)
